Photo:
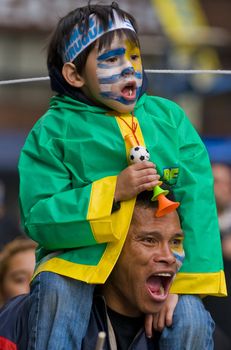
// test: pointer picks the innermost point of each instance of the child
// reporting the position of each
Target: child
(77, 192)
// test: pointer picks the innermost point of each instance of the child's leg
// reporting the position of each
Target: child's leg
(59, 313)
(192, 327)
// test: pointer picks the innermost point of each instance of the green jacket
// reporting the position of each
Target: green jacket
(68, 169)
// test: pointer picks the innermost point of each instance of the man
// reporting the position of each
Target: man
(140, 281)
(138, 285)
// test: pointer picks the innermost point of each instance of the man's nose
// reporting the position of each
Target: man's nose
(128, 71)
(165, 255)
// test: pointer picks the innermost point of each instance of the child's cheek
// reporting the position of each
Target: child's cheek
(131, 50)
(108, 79)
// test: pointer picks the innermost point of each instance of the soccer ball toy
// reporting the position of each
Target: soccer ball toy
(138, 154)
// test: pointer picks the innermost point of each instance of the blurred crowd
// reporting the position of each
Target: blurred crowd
(222, 188)
(220, 308)
(9, 229)
(17, 255)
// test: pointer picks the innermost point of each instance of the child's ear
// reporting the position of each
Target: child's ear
(71, 75)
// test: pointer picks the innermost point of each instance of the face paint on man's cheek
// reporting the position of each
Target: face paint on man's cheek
(179, 255)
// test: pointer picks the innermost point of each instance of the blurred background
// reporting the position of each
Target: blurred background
(174, 34)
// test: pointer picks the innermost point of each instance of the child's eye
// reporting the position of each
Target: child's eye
(112, 59)
(135, 57)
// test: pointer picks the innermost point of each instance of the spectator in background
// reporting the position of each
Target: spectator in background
(17, 262)
(221, 309)
(222, 188)
(8, 228)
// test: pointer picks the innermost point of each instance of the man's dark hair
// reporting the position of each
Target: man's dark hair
(81, 16)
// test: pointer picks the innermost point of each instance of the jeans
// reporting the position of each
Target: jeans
(192, 327)
(59, 312)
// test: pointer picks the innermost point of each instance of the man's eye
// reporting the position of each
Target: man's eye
(149, 240)
(177, 242)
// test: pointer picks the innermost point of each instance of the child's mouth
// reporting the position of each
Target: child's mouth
(129, 91)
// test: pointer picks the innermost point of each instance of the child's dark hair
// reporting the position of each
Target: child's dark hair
(81, 15)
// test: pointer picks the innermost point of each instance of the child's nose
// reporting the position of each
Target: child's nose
(128, 71)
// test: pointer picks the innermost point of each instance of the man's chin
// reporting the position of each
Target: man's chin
(153, 308)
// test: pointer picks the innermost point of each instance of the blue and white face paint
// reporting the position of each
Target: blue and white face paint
(80, 39)
(119, 72)
(179, 254)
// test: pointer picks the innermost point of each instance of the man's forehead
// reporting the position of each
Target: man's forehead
(159, 234)
(140, 207)
(144, 218)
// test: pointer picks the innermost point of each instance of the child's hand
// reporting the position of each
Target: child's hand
(134, 179)
(163, 318)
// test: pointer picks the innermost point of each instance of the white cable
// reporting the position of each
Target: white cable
(155, 71)
(26, 80)
(188, 71)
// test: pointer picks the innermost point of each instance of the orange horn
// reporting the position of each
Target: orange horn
(165, 206)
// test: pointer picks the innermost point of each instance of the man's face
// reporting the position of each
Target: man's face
(150, 258)
(113, 76)
(18, 274)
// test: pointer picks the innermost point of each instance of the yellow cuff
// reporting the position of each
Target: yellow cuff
(99, 210)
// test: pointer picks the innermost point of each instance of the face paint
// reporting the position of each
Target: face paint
(178, 252)
(132, 51)
(119, 72)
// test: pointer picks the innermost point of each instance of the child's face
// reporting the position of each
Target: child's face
(113, 76)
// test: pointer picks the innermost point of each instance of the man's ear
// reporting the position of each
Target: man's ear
(71, 75)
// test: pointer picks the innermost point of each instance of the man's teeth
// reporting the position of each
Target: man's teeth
(161, 290)
(165, 274)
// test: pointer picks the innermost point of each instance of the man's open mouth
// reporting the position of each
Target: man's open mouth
(129, 91)
(159, 284)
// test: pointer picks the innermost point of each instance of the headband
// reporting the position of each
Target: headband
(79, 40)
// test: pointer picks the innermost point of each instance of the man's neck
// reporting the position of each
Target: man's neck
(125, 328)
